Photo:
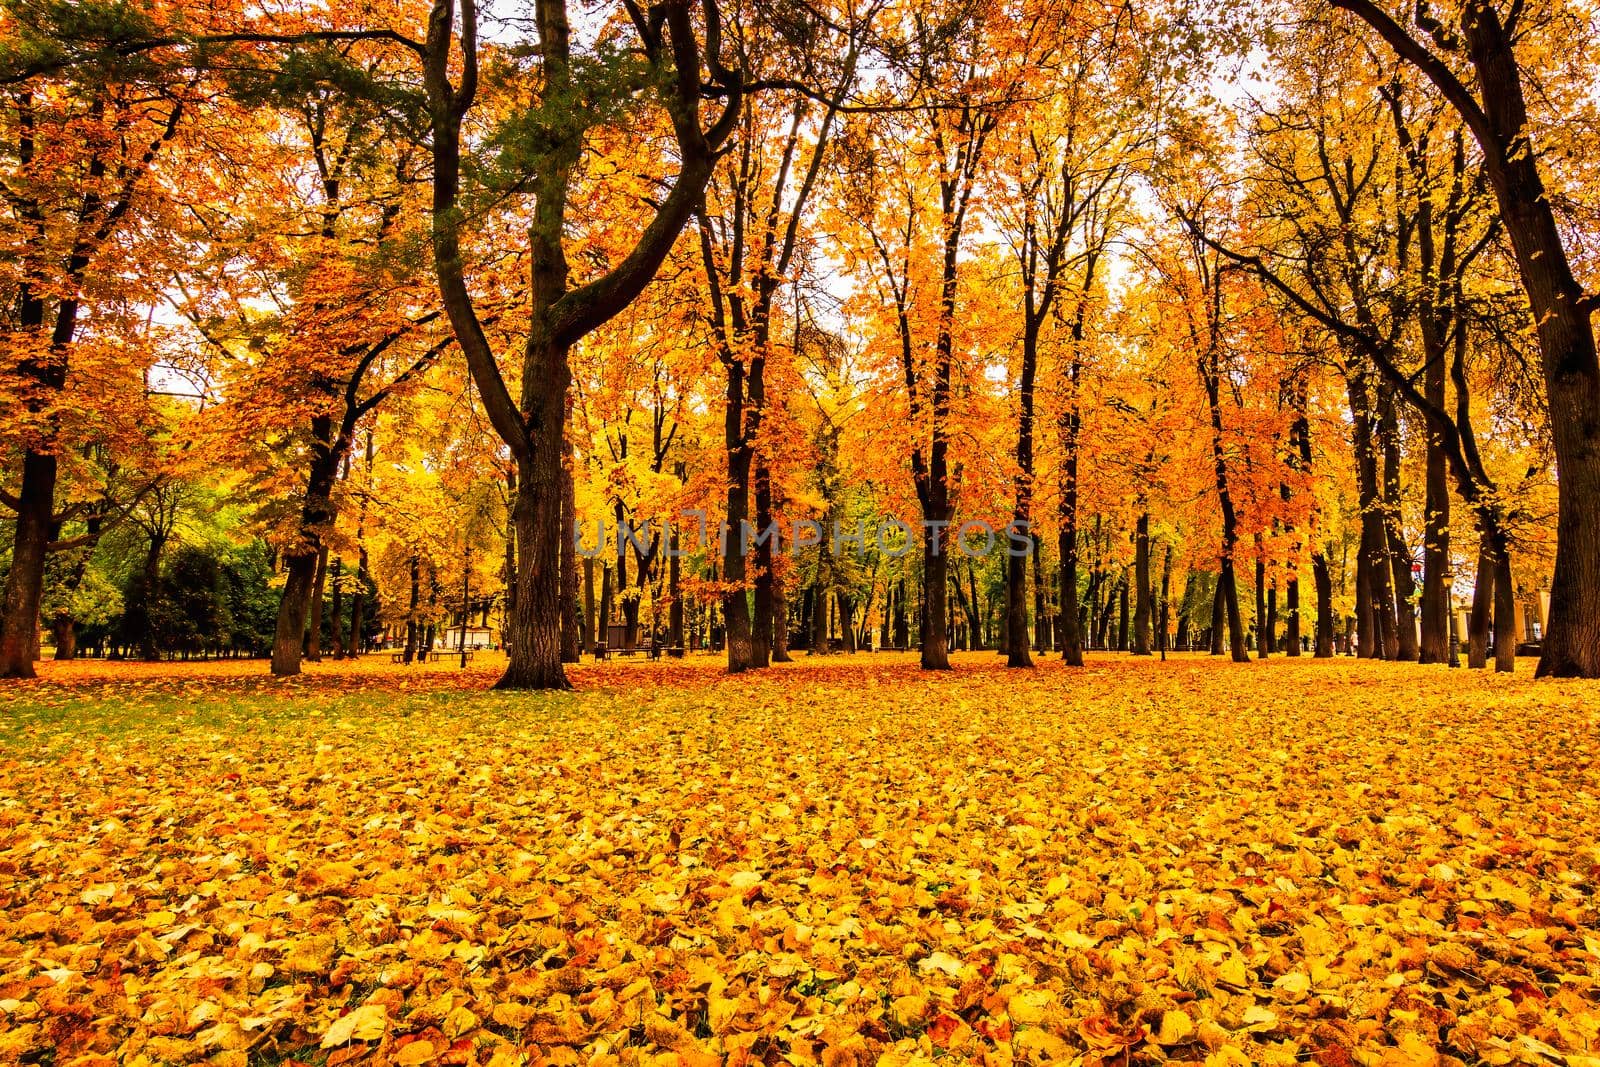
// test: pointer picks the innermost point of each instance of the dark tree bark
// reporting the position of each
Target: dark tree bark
(571, 637)
(1041, 599)
(1218, 619)
(151, 589)
(314, 624)
(413, 627)
(1122, 612)
(300, 560)
(1406, 646)
(587, 630)
(1498, 118)
(780, 621)
(534, 426)
(337, 610)
(1142, 595)
(1482, 604)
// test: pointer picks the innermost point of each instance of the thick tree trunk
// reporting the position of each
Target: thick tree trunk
(319, 584)
(1375, 603)
(1228, 591)
(1016, 613)
(534, 639)
(1141, 569)
(1271, 628)
(1498, 118)
(19, 631)
(935, 606)
(151, 592)
(1506, 637)
(1291, 612)
(1482, 602)
(735, 604)
(1263, 630)
(1323, 640)
(301, 561)
(64, 631)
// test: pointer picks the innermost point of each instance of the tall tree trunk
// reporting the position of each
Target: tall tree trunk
(780, 620)
(1434, 646)
(358, 601)
(150, 574)
(336, 630)
(935, 606)
(846, 609)
(602, 627)
(1122, 612)
(1272, 618)
(571, 638)
(1164, 619)
(1406, 646)
(1070, 626)
(1041, 599)
(413, 627)
(535, 625)
(301, 560)
(19, 629)
(587, 631)
(735, 604)
(1482, 602)
(761, 629)
(1291, 612)
(1228, 591)
(319, 586)
(1218, 621)
(819, 620)
(1263, 629)
(1497, 115)
(1142, 596)
(1506, 636)
(1375, 612)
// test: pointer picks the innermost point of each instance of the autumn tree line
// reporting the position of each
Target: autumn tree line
(1269, 328)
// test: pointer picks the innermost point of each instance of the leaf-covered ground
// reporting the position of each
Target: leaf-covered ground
(844, 862)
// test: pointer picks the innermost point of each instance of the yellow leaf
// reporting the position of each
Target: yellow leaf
(1176, 1027)
(366, 1023)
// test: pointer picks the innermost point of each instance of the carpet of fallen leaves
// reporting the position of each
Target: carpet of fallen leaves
(841, 862)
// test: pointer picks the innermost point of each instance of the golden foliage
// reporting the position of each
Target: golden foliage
(1348, 863)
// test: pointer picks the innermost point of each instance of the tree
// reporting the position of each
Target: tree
(1483, 36)
(552, 133)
